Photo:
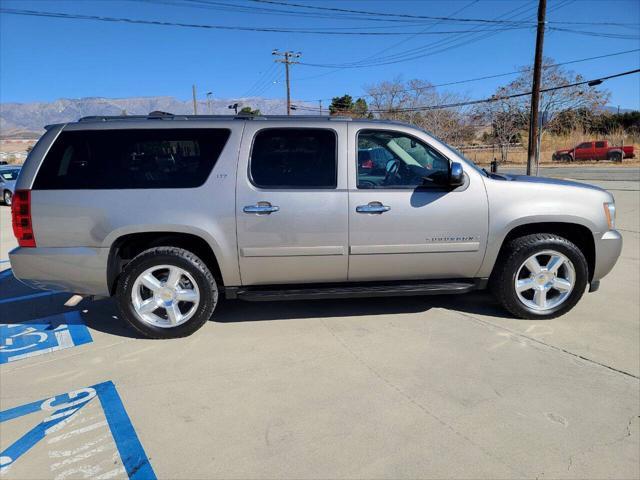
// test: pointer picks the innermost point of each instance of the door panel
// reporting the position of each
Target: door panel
(305, 239)
(423, 234)
(584, 151)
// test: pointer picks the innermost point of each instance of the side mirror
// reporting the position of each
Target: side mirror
(456, 175)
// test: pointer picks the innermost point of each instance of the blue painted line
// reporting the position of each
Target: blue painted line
(133, 456)
(19, 411)
(19, 341)
(28, 297)
(4, 261)
(61, 408)
(71, 403)
(79, 332)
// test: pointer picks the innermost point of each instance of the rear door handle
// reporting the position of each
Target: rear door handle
(261, 208)
(373, 207)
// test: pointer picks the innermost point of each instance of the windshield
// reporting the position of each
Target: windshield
(9, 174)
(482, 171)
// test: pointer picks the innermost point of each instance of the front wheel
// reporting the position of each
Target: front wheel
(540, 276)
(166, 292)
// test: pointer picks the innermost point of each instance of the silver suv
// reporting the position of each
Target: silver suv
(170, 213)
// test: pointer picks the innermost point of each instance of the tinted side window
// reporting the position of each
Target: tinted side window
(294, 158)
(599, 144)
(584, 145)
(109, 159)
(388, 159)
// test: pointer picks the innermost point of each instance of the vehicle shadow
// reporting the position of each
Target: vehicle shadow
(102, 315)
(238, 311)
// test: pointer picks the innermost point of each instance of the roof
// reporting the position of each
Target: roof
(170, 116)
(155, 116)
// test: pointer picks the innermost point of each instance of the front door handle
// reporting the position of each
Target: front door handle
(261, 208)
(372, 207)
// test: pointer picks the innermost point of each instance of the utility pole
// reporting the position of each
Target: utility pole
(288, 58)
(195, 105)
(320, 104)
(209, 111)
(535, 91)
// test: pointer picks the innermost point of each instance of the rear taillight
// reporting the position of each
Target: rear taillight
(21, 218)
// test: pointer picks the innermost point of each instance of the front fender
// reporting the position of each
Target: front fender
(531, 201)
(497, 237)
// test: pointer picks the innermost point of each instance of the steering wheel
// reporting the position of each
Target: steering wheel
(391, 169)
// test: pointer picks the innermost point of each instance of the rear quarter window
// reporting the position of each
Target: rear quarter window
(121, 159)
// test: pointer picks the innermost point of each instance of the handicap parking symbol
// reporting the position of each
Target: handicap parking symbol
(59, 414)
(42, 335)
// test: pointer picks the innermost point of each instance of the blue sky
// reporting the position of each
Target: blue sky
(42, 59)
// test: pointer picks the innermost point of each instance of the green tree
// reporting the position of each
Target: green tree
(345, 105)
(341, 105)
(249, 111)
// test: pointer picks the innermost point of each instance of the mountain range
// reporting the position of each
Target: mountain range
(27, 120)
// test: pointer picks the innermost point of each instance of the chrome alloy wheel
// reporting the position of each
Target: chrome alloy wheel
(165, 296)
(545, 280)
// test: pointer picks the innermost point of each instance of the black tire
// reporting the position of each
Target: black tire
(616, 156)
(179, 257)
(7, 198)
(516, 253)
(566, 158)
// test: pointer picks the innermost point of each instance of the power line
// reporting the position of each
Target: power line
(267, 76)
(386, 49)
(223, 6)
(424, 17)
(498, 75)
(76, 16)
(592, 82)
(439, 46)
(348, 31)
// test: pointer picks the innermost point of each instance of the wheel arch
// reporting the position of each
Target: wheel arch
(127, 246)
(578, 234)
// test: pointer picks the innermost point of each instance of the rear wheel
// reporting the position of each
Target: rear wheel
(540, 276)
(616, 156)
(166, 292)
(7, 197)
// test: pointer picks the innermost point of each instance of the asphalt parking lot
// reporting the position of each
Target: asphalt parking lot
(431, 387)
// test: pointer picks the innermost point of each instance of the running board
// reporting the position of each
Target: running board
(319, 291)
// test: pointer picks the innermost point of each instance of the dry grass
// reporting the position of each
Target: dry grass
(551, 143)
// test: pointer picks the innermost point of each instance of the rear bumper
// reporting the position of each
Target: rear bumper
(608, 248)
(80, 270)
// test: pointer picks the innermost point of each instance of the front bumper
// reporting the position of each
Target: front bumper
(608, 249)
(80, 270)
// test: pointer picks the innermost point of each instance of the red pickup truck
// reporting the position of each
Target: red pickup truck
(594, 151)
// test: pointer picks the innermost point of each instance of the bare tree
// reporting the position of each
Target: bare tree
(506, 118)
(571, 98)
(410, 101)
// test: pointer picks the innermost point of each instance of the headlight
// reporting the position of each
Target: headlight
(610, 213)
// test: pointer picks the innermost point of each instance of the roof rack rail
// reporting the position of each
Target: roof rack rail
(158, 115)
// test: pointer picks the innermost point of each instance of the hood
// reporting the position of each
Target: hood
(549, 181)
(564, 150)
